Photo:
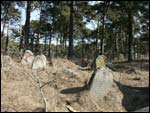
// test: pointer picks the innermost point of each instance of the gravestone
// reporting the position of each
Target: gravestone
(27, 58)
(70, 73)
(102, 82)
(100, 61)
(39, 62)
(6, 61)
(121, 57)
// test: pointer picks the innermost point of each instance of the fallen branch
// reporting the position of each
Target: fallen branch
(39, 85)
(71, 109)
(44, 84)
(84, 68)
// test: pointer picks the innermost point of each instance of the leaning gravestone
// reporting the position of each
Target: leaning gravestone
(27, 58)
(39, 62)
(102, 82)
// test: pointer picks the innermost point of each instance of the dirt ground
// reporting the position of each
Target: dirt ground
(19, 92)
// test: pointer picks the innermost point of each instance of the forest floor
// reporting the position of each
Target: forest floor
(19, 92)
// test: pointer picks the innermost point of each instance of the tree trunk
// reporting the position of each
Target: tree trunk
(5, 18)
(32, 39)
(37, 44)
(56, 46)
(64, 34)
(65, 41)
(3, 28)
(65, 47)
(134, 51)
(27, 25)
(130, 36)
(122, 40)
(117, 45)
(82, 59)
(126, 45)
(61, 35)
(45, 42)
(21, 38)
(21, 43)
(97, 38)
(103, 32)
(61, 44)
(7, 38)
(39, 50)
(49, 49)
(70, 49)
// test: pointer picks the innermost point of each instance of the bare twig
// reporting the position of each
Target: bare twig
(84, 68)
(39, 85)
(71, 109)
(44, 84)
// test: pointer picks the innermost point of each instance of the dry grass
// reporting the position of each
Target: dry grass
(19, 91)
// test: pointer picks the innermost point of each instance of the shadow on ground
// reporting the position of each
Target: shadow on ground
(138, 64)
(73, 90)
(39, 109)
(134, 98)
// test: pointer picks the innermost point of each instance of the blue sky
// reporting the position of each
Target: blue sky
(35, 15)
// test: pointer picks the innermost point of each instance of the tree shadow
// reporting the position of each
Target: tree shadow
(142, 64)
(39, 109)
(122, 68)
(73, 90)
(79, 89)
(146, 109)
(134, 98)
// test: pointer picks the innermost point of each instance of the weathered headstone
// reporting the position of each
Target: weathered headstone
(121, 57)
(6, 61)
(39, 62)
(100, 61)
(27, 58)
(102, 82)
(70, 73)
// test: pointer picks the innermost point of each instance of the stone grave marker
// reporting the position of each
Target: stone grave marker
(27, 58)
(100, 61)
(39, 62)
(6, 61)
(102, 82)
